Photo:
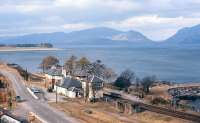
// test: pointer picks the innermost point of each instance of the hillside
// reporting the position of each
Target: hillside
(94, 36)
(188, 35)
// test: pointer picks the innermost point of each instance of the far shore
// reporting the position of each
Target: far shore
(13, 49)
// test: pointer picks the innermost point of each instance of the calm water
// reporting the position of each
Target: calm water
(172, 64)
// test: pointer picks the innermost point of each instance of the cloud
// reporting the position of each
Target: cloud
(148, 20)
(72, 3)
(158, 19)
(22, 7)
(77, 26)
(154, 26)
(28, 8)
(118, 5)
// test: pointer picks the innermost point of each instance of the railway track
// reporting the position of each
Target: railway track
(169, 112)
(157, 109)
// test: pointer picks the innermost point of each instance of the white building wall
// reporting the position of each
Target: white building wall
(57, 78)
(71, 94)
(64, 72)
(84, 88)
(65, 92)
(98, 94)
(91, 94)
(60, 90)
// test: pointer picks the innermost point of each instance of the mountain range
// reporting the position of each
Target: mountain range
(104, 36)
(188, 35)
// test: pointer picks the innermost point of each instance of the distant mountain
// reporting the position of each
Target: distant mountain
(131, 36)
(34, 38)
(94, 36)
(103, 36)
(188, 35)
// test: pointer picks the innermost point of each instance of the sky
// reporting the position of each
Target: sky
(156, 19)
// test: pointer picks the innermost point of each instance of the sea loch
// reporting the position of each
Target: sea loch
(176, 64)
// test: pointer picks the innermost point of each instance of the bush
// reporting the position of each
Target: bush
(125, 79)
(50, 90)
(159, 100)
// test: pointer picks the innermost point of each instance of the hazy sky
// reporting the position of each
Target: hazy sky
(157, 19)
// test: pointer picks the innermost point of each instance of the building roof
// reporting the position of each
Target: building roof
(70, 82)
(96, 79)
(73, 89)
(80, 73)
(55, 72)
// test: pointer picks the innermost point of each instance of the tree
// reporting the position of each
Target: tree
(47, 45)
(137, 82)
(48, 62)
(125, 79)
(109, 75)
(71, 64)
(147, 82)
(96, 68)
(83, 63)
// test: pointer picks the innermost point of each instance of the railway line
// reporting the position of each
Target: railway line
(157, 109)
(170, 112)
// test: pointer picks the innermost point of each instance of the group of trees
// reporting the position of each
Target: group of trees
(128, 77)
(73, 65)
(45, 45)
(86, 67)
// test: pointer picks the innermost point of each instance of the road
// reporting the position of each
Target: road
(47, 113)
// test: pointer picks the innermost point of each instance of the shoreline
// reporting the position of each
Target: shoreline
(14, 49)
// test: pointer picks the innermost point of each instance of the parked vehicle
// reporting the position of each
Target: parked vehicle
(18, 99)
(35, 90)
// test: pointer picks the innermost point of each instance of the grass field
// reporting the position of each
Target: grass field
(106, 113)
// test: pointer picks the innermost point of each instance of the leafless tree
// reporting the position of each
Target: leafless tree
(109, 75)
(71, 64)
(48, 62)
(96, 68)
(83, 63)
(147, 82)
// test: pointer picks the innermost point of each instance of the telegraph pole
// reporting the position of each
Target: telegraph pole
(10, 100)
(56, 95)
(53, 86)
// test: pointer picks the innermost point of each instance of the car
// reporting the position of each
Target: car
(35, 90)
(18, 99)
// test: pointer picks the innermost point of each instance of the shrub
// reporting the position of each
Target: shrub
(159, 100)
